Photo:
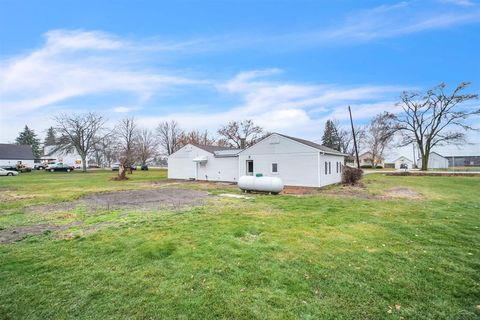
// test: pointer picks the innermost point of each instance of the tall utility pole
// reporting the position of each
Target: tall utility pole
(354, 138)
(414, 160)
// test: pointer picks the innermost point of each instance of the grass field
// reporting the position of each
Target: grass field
(342, 253)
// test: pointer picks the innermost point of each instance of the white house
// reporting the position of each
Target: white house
(296, 161)
(198, 162)
(52, 153)
(403, 161)
(11, 154)
(366, 160)
(436, 161)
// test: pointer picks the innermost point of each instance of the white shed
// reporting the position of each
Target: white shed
(11, 154)
(296, 161)
(403, 161)
(436, 161)
(201, 162)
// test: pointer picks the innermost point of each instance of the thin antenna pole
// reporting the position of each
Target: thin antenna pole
(354, 138)
(414, 160)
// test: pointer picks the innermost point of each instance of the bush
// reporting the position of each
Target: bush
(351, 175)
(366, 166)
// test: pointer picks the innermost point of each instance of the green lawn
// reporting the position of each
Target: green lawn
(332, 255)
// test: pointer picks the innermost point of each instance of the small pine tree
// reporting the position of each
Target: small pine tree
(50, 139)
(28, 137)
(331, 137)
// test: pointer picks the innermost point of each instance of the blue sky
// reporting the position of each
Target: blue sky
(289, 65)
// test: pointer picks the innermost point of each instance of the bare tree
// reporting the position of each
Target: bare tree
(435, 118)
(196, 137)
(105, 150)
(240, 134)
(346, 139)
(168, 134)
(126, 132)
(79, 132)
(379, 135)
(147, 145)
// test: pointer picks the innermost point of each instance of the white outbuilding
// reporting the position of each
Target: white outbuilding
(295, 161)
(402, 161)
(199, 162)
(436, 161)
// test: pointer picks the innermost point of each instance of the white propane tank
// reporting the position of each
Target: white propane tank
(267, 184)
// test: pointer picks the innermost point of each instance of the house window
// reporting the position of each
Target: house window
(274, 167)
(326, 167)
(337, 166)
(329, 167)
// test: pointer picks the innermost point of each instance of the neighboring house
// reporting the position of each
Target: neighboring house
(436, 161)
(463, 161)
(296, 161)
(11, 154)
(52, 153)
(366, 160)
(403, 161)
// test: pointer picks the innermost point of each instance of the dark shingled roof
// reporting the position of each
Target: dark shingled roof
(15, 152)
(313, 145)
(212, 149)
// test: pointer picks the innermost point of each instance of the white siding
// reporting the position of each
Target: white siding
(436, 161)
(13, 162)
(180, 163)
(332, 175)
(219, 169)
(298, 164)
(182, 166)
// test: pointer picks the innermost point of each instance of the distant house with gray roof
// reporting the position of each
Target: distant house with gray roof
(11, 154)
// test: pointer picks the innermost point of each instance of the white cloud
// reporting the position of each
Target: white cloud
(79, 63)
(393, 20)
(294, 108)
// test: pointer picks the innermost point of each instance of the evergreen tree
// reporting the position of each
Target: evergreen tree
(50, 139)
(331, 137)
(28, 137)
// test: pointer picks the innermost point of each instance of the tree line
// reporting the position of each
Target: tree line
(427, 119)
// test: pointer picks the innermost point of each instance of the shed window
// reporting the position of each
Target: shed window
(274, 167)
(326, 167)
(337, 166)
(329, 167)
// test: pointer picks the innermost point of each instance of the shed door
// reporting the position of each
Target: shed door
(249, 168)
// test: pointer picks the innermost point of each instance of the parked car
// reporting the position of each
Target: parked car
(18, 168)
(59, 167)
(144, 167)
(116, 166)
(39, 166)
(404, 166)
(4, 172)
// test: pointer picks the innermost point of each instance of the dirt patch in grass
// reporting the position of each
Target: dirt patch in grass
(155, 199)
(19, 233)
(361, 192)
(300, 190)
(402, 192)
(145, 199)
